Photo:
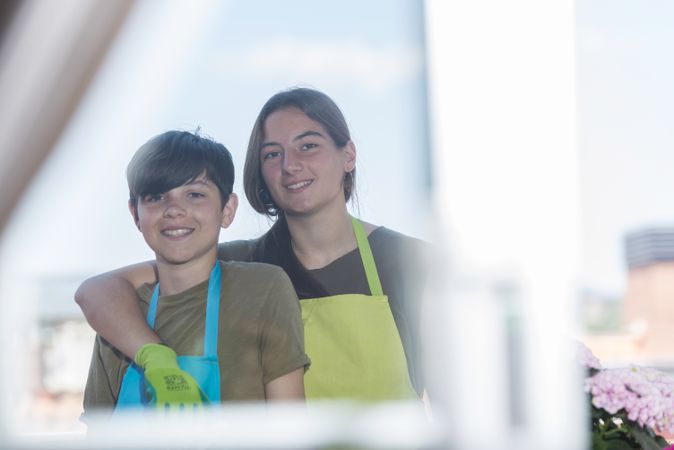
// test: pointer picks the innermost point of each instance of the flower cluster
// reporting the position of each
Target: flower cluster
(630, 407)
(646, 395)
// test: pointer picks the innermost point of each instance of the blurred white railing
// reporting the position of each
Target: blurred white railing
(502, 101)
(255, 426)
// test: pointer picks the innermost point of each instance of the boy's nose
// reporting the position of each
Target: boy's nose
(174, 209)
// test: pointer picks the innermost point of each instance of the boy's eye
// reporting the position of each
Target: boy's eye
(151, 198)
(196, 195)
(308, 146)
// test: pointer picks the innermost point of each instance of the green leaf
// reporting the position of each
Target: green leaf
(646, 440)
(598, 443)
(661, 441)
(618, 444)
(599, 413)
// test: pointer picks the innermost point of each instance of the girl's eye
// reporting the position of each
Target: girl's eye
(270, 155)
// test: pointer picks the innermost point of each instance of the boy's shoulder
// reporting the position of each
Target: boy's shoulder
(257, 272)
(240, 250)
(256, 283)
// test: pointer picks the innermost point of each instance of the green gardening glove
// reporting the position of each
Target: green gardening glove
(168, 387)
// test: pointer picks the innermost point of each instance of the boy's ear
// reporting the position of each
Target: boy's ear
(134, 213)
(229, 210)
(350, 153)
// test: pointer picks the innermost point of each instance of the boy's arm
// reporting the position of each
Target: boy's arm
(286, 387)
(100, 392)
(110, 305)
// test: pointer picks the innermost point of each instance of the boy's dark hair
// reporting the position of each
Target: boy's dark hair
(175, 158)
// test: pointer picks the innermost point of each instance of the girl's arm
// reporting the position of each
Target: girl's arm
(286, 387)
(110, 305)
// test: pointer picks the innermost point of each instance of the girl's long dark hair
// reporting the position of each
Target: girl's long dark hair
(275, 247)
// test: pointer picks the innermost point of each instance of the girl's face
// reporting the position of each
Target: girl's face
(301, 165)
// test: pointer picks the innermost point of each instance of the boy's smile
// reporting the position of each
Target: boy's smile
(177, 232)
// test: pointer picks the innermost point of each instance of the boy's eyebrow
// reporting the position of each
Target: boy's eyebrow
(200, 180)
(295, 139)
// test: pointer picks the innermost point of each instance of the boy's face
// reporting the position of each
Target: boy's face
(182, 225)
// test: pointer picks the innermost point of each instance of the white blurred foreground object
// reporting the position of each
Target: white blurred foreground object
(257, 426)
(48, 57)
(502, 101)
(49, 53)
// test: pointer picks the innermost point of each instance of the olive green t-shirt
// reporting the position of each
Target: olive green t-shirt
(260, 334)
(402, 263)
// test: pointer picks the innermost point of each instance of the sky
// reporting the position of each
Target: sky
(626, 117)
(212, 64)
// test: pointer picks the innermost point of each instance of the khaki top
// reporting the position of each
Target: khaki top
(260, 334)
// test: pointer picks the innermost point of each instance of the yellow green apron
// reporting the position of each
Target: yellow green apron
(353, 342)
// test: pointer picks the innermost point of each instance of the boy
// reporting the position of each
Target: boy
(238, 324)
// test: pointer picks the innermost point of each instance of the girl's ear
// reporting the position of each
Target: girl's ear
(350, 156)
(134, 213)
(229, 210)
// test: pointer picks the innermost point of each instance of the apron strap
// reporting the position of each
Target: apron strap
(367, 258)
(212, 311)
(152, 310)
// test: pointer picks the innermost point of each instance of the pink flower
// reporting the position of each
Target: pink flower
(645, 394)
(585, 357)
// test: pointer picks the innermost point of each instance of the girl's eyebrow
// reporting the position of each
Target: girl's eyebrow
(295, 139)
(269, 144)
(308, 133)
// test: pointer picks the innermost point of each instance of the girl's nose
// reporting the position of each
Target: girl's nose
(291, 163)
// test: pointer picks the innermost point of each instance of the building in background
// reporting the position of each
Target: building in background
(61, 346)
(640, 328)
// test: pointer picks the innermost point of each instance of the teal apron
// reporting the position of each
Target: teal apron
(353, 342)
(204, 369)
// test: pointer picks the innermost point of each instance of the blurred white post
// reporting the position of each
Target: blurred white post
(49, 54)
(503, 128)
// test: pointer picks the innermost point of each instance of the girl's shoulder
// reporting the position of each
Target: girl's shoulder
(396, 251)
(386, 237)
